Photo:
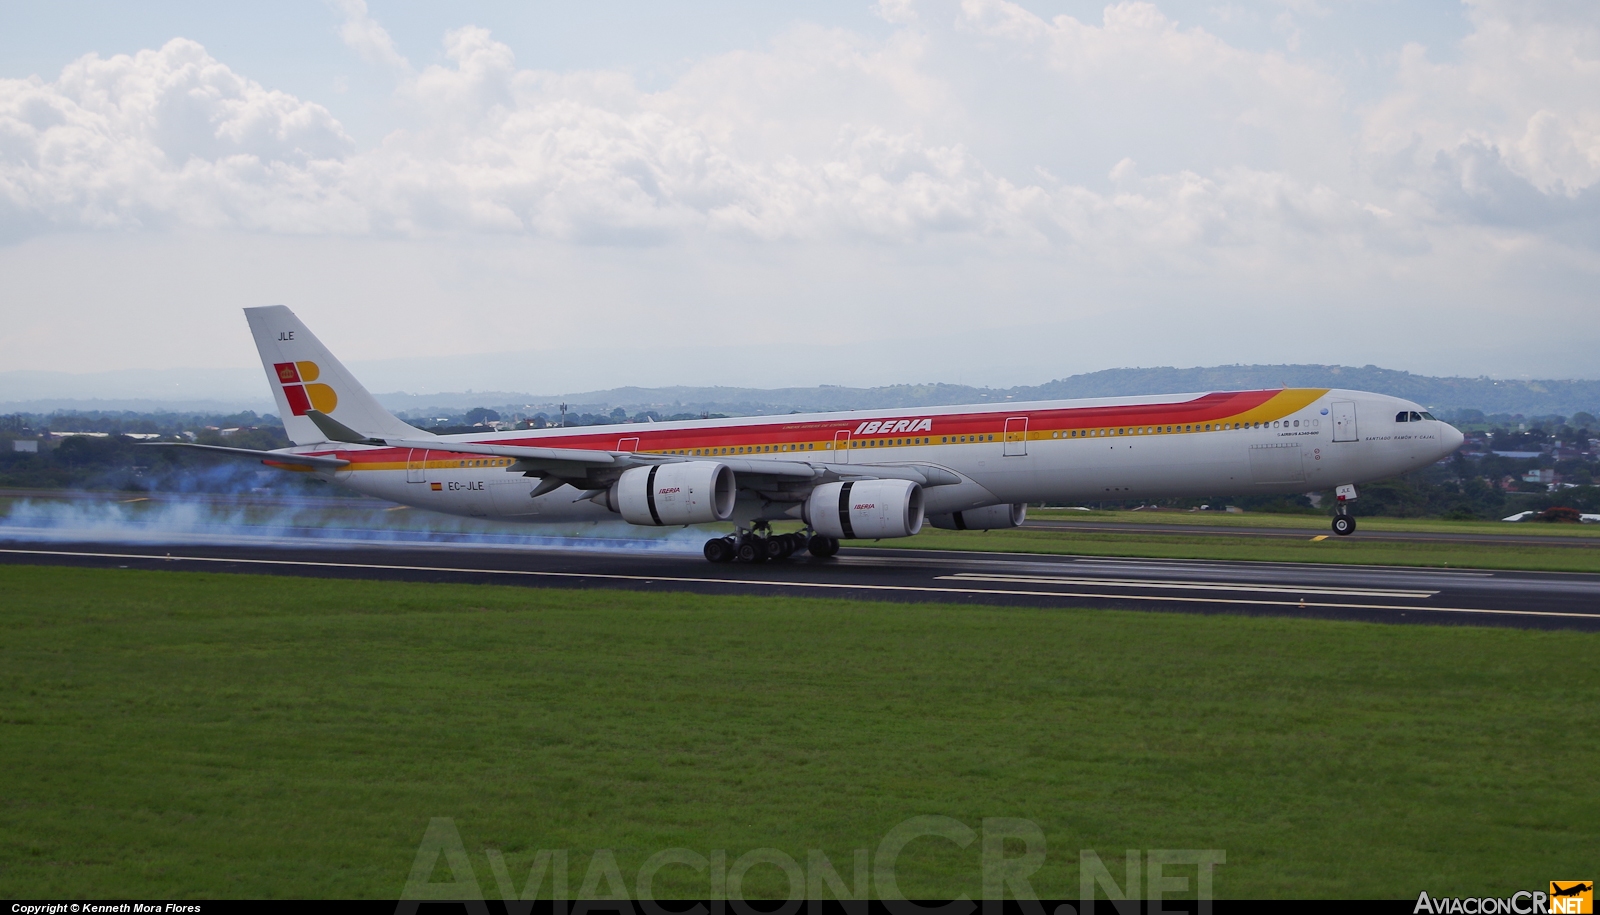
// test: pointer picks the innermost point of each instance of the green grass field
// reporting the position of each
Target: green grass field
(1352, 550)
(191, 734)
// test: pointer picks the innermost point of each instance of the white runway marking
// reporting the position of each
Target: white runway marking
(841, 586)
(1168, 584)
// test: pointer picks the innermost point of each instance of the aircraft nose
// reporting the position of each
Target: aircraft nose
(1450, 438)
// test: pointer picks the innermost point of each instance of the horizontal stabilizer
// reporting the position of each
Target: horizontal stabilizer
(566, 455)
(317, 462)
(339, 432)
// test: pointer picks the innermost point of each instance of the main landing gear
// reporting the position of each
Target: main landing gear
(762, 545)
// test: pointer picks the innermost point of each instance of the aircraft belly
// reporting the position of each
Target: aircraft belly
(1124, 468)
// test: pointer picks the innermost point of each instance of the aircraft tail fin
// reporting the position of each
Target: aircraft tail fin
(306, 378)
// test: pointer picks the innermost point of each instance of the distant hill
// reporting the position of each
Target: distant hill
(225, 391)
(1529, 398)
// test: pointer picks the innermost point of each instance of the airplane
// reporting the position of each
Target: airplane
(855, 475)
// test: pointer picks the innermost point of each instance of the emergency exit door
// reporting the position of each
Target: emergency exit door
(841, 447)
(1344, 422)
(1016, 437)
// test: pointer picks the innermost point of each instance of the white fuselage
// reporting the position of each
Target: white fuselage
(1219, 444)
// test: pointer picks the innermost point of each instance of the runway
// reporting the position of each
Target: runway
(1368, 593)
(1510, 538)
(1514, 535)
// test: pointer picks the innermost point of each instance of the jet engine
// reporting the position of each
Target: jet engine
(865, 509)
(689, 492)
(987, 518)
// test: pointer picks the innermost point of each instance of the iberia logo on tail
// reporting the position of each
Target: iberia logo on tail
(297, 378)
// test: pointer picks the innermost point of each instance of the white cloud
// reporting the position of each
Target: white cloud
(825, 135)
(167, 137)
(363, 35)
(1066, 162)
(1507, 132)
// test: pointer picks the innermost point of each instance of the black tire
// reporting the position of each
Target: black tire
(775, 547)
(719, 550)
(822, 547)
(1344, 525)
(750, 550)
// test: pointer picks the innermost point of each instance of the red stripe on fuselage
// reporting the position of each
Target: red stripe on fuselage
(1202, 409)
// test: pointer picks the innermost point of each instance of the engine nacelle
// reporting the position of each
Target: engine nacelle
(689, 492)
(865, 509)
(987, 518)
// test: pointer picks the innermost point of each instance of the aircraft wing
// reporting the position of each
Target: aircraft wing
(533, 456)
(574, 463)
(534, 460)
(594, 467)
(288, 458)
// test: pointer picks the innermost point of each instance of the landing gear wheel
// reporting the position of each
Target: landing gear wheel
(784, 545)
(719, 550)
(822, 547)
(1344, 525)
(751, 549)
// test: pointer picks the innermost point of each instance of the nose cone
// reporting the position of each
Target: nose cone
(1450, 438)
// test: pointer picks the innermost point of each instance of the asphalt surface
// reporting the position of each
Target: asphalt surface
(1378, 594)
(1512, 537)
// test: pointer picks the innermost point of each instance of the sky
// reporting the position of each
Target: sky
(555, 197)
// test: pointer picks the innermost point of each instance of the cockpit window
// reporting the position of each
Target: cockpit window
(1402, 417)
(1416, 417)
(1427, 415)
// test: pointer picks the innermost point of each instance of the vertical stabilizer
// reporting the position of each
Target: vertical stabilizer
(304, 376)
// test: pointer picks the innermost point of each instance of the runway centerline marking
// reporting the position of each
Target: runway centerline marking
(845, 586)
(1169, 584)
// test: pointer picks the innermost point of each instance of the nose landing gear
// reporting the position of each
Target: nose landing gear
(1343, 524)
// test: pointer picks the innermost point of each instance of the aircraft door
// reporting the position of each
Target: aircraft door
(1344, 421)
(841, 447)
(628, 444)
(417, 466)
(1016, 437)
